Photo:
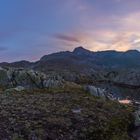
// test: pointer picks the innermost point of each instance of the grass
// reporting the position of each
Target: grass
(48, 114)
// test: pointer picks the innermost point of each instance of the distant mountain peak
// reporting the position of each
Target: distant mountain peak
(80, 50)
(84, 57)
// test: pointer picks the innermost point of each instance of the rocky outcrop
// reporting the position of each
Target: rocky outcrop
(124, 78)
(4, 79)
(99, 92)
(129, 78)
(15, 77)
(53, 82)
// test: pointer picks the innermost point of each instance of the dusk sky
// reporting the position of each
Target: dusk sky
(30, 29)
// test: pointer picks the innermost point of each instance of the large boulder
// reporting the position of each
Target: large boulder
(99, 92)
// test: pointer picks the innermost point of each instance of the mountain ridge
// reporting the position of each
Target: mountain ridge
(84, 57)
(77, 49)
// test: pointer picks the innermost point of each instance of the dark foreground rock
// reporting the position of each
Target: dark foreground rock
(67, 113)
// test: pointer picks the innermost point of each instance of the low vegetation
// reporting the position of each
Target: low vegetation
(67, 113)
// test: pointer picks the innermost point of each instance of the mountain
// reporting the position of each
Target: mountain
(100, 59)
(82, 51)
(84, 66)
(84, 58)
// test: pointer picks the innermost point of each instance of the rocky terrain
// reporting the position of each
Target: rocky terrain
(28, 79)
(71, 95)
(118, 72)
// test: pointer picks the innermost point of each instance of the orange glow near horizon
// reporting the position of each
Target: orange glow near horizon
(125, 101)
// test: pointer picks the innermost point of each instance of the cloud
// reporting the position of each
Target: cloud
(100, 40)
(66, 38)
(136, 41)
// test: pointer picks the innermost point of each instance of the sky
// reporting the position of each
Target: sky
(30, 29)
